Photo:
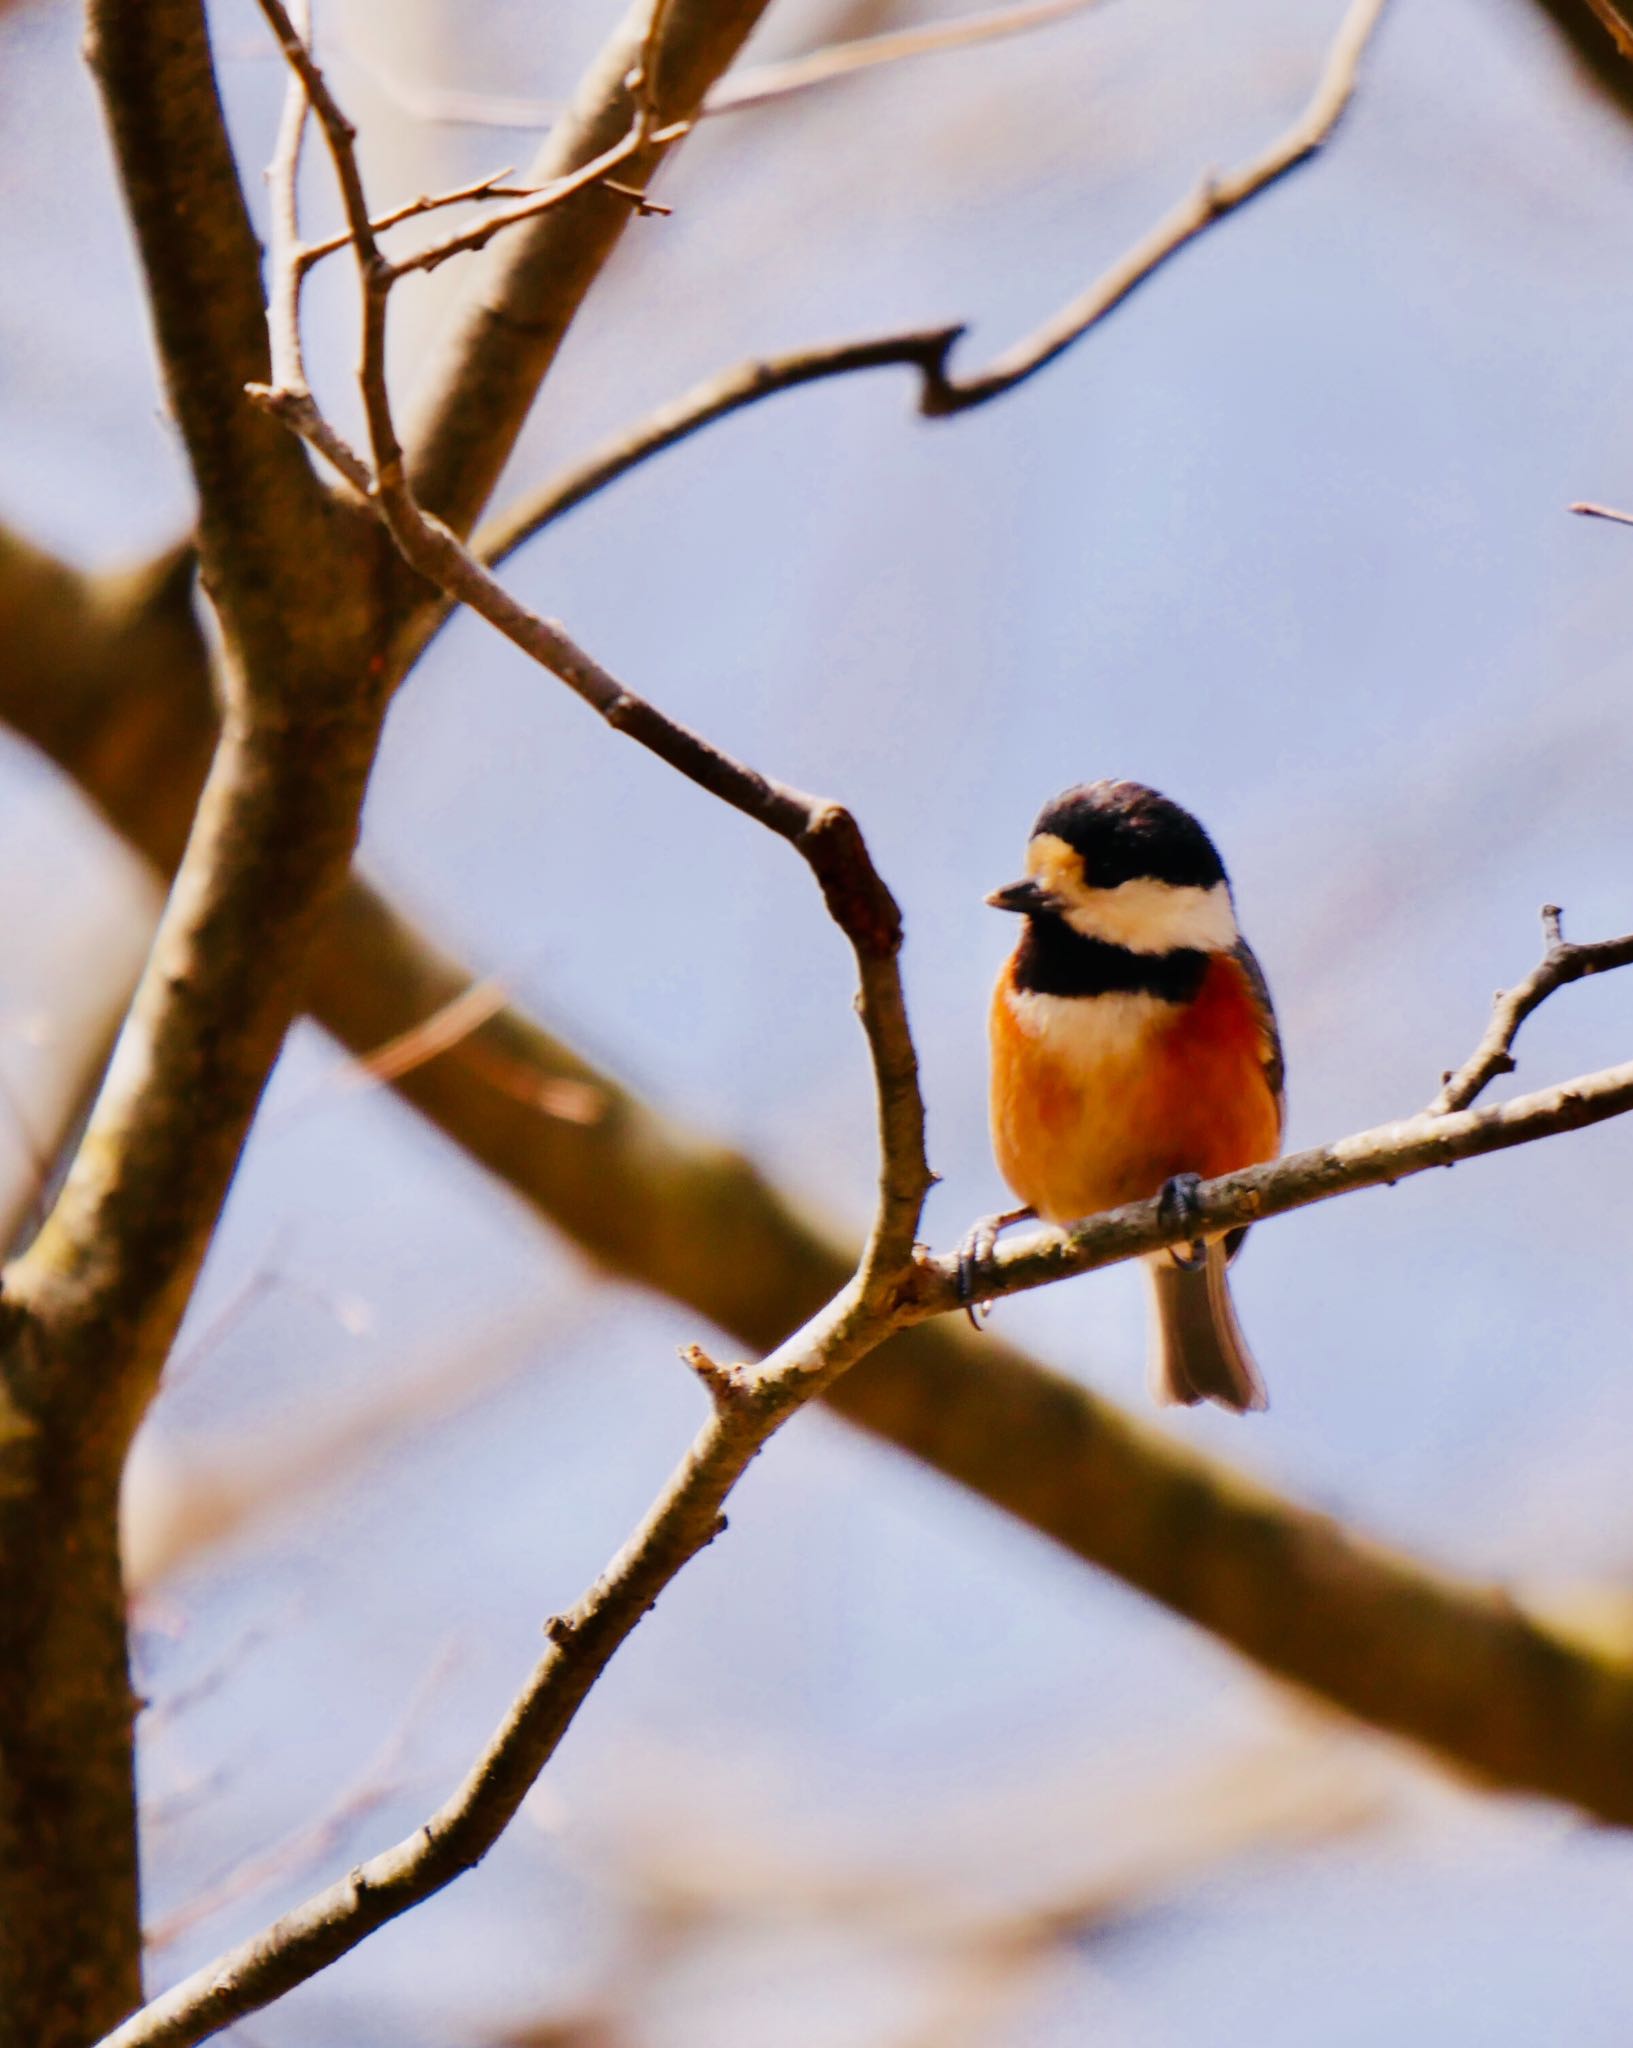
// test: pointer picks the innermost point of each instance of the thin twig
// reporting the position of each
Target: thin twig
(1209, 204)
(824, 833)
(1593, 511)
(379, 1782)
(596, 172)
(714, 399)
(768, 82)
(492, 186)
(287, 261)
(1562, 962)
(943, 394)
(758, 86)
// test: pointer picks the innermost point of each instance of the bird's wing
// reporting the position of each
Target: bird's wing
(1275, 1070)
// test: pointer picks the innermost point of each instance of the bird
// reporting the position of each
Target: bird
(1134, 1053)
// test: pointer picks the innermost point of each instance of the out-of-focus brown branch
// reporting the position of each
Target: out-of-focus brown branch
(1615, 23)
(768, 82)
(1599, 34)
(1450, 1664)
(942, 393)
(757, 87)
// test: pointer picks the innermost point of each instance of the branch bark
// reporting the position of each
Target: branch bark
(1445, 1662)
(894, 1286)
(91, 1307)
(528, 290)
(1556, 1715)
(942, 393)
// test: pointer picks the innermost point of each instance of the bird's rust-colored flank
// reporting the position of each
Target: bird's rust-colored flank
(1086, 1115)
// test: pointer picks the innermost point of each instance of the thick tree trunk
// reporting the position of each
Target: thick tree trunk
(70, 1930)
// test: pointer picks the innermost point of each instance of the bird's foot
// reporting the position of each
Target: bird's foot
(1177, 1207)
(975, 1259)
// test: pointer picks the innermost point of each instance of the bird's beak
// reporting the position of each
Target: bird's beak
(1026, 897)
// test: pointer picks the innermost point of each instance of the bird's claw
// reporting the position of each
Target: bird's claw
(975, 1257)
(1176, 1208)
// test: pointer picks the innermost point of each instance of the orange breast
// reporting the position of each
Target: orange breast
(1098, 1100)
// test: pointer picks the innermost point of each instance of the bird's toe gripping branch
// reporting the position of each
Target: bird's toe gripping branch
(1178, 1209)
(975, 1258)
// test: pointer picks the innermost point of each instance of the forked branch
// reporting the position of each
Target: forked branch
(1562, 963)
(942, 392)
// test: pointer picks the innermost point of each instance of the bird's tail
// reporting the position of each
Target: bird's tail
(1198, 1352)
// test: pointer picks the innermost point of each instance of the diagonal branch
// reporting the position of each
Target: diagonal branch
(943, 393)
(747, 1405)
(768, 82)
(823, 833)
(1581, 1699)
(1448, 1663)
(757, 87)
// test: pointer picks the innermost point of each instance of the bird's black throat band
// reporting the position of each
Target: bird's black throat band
(1054, 960)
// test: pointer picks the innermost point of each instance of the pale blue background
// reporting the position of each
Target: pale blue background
(1287, 538)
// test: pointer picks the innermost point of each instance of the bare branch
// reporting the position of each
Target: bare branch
(287, 270)
(823, 833)
(687, 1515)
(527, 291)
(929, 350)
(712, 400)
(490, 186)
(748, 1405)
(1560, 964)
(1374, 1158)
(768, 82)
(1592, 511)
(1211, 202)
(759, 86)
(204, 288)
(1445, 1662)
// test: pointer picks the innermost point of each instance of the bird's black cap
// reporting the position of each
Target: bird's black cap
(1124, 832)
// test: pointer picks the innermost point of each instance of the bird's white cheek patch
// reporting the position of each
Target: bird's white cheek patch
(1155, 917)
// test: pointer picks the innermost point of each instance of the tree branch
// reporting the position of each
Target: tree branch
(769, 82)
(1592, 511)
(759, 86)
(1561, 964)
(942, 393)
(1375, 1158)
(202, 265)
(482, 385)
(893, 1288)
(1563, 1718)
(1598, 33)
(1447, 1663)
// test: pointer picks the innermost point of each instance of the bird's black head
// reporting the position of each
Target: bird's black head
(1124, 832)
